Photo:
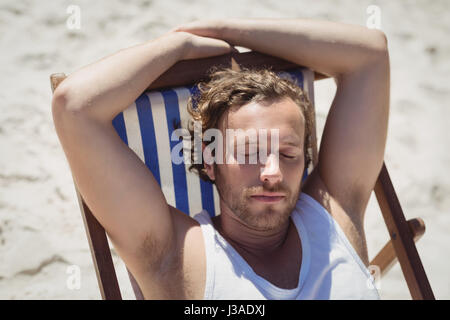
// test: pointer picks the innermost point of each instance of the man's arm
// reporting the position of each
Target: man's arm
(116, 185)
(353, 142)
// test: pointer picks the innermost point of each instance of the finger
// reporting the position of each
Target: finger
(199, 28)
(205, 47)
(214, 44)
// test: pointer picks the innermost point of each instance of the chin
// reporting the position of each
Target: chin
(266, 218)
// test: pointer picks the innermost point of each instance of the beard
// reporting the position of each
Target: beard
(259, 216)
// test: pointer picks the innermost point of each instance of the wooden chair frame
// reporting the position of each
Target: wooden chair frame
(403, 234)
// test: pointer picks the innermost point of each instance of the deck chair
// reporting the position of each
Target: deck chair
(146, 127)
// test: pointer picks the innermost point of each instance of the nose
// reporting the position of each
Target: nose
(270, 171)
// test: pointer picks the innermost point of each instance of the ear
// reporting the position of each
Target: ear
(208, 163)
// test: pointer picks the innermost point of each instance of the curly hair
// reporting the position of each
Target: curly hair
(226, 88)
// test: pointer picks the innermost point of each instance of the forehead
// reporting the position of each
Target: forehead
(283, 114)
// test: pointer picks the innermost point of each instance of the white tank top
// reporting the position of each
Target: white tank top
(330, 267)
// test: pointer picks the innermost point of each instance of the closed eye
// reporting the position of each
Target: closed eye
(282, 154)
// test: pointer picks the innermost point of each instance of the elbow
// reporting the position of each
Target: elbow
(60, 97)
(72, 102)
(59, 103)
(66, 109)
(382, 40)
(375, 50)
(371, 48)
(64, 101)
(379, 44)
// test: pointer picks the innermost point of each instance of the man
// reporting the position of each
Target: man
(272, 239)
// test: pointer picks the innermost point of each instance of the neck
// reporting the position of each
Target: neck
(259, 243)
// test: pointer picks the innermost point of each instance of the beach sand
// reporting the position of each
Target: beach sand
(41, 229)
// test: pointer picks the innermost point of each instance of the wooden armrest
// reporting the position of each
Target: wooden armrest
(386, 258)
(56, 79)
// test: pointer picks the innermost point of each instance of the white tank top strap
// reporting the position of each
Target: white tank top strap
(338, 271)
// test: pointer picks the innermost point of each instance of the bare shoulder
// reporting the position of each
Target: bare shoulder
(350, 222)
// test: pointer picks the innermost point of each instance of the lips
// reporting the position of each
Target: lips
(268, 197)
(270, 194)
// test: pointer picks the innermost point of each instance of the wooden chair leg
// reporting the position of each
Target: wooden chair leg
(101, 254)
(402, 238)
(387, 258)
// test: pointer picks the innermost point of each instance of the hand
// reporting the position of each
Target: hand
(203, 28)
(196, 47)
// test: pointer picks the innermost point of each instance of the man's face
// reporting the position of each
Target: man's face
(263, 195)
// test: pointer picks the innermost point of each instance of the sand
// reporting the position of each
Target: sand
(41, 230)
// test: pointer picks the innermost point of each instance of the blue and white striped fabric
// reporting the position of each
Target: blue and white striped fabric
(146, 127)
